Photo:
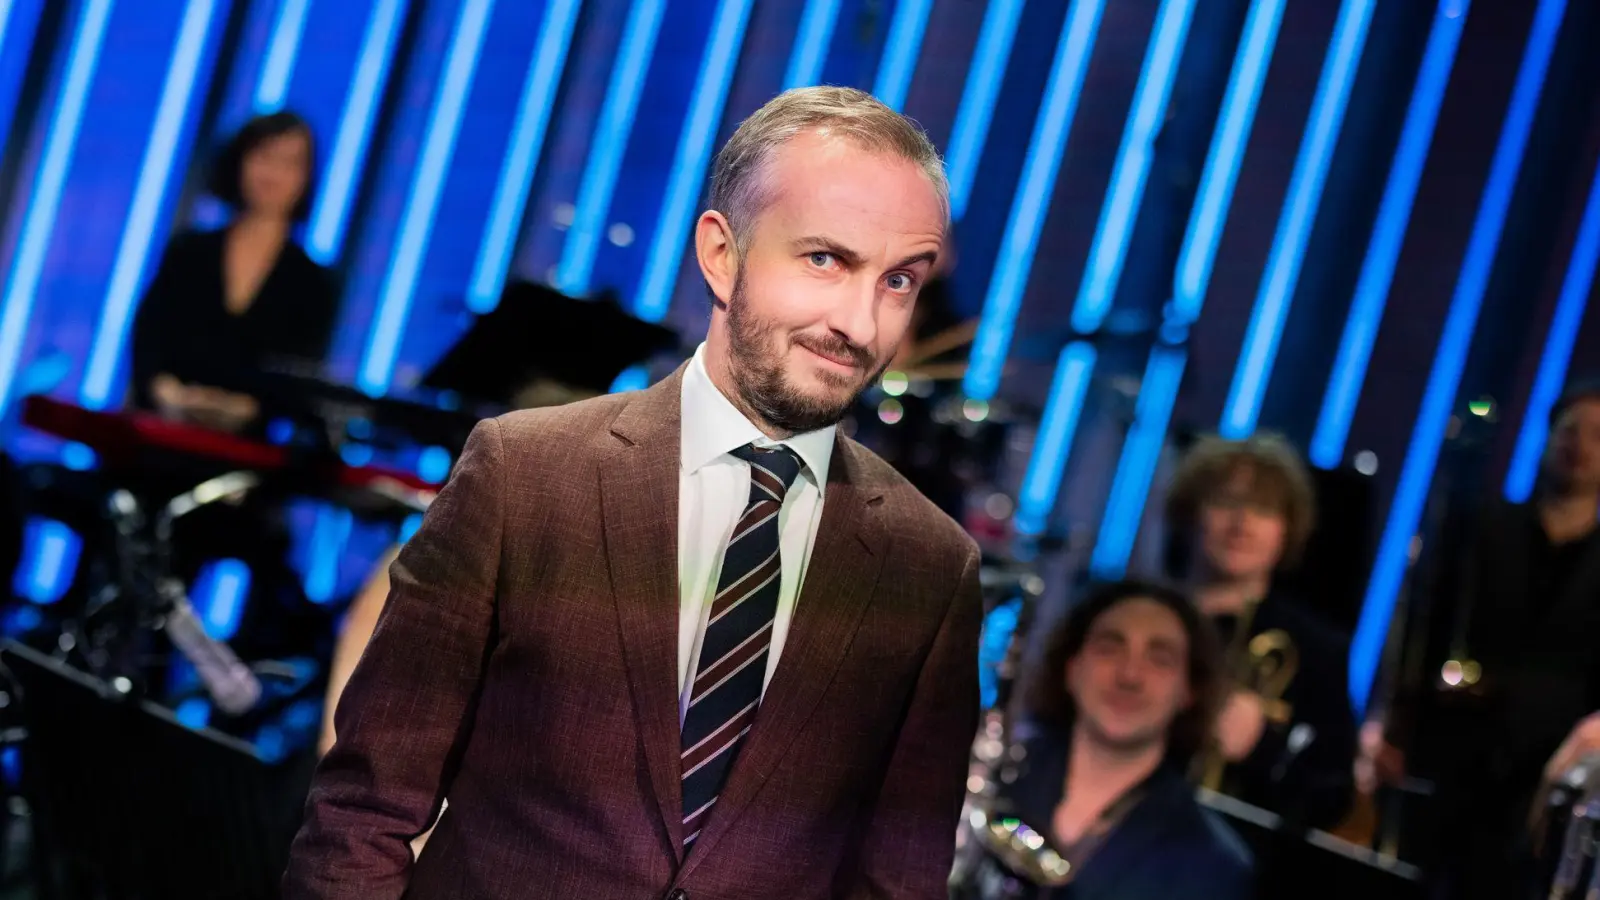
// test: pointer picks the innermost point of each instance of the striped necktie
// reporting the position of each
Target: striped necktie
(733, 651)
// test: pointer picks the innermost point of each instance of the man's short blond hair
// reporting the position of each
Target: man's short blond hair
(739, 188)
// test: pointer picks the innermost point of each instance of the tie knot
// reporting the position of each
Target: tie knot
(780, 463)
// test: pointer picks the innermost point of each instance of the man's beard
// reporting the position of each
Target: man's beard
(764, 386)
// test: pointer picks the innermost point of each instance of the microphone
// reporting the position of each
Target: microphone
(228, 680)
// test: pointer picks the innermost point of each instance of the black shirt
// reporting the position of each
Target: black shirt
(1157, 841)
(1551, 566)
(1312, 786)
(185, 330)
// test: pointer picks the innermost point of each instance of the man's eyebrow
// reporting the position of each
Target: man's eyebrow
(926, 256)
(815, 243)
(852, 259)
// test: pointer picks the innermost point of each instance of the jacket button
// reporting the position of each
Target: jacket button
(678, 894)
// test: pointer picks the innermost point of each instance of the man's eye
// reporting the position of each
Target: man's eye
(821, 259)
(899, 282)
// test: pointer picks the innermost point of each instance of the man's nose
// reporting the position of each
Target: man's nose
(855, 315)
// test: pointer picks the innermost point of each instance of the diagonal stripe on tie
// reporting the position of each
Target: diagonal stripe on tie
(731, 670)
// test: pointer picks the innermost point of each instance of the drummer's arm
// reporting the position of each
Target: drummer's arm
(359, 622)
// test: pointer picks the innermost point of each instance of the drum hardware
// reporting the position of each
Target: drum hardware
(1569, 831)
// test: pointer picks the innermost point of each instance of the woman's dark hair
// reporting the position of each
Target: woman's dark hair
(228, 169)
(1045, 695)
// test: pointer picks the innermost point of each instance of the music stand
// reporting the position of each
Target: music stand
(539, 332)
(129, 803)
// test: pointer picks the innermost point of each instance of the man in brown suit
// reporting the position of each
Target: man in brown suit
(582, 645)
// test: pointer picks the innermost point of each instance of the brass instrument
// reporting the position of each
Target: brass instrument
(1264, 665)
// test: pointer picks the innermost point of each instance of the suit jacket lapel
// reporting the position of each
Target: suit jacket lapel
(639, 496)
(840, 577)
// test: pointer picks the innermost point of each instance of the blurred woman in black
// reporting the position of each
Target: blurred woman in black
(1239, 513)
(242, 298)
(223, 305)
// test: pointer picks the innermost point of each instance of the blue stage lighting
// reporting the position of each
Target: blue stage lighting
(1547, 384)
(1032, 201)
(988, 69)
(1299, 214)
(149, 196)
(1130, 486)
(527, 140)
(1416, 475)
(335, 196)
(273, 85)
(688, 173)
(811, 44)
(901, 48)
(45, 199)
(416, 224)
(610, 142)
(1388, 234)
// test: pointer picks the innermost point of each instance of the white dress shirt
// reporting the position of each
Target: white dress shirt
(713, 490)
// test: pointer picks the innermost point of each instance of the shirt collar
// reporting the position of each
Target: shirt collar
(712, 426)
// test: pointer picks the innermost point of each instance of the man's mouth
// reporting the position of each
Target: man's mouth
(843, 360)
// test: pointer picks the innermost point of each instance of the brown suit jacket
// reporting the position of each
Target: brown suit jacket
(525, 666)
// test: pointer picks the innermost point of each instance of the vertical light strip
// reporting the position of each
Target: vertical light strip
(1210, 212)
(1146, 112)
(1032, 201)
(155, 173)
(988, 69)
(689, 164)
(222, 588)
(50, 554)
(1130, 486)
(1416, 475)
(1109, 251)
(522, 157)
(7, 7)
(422, 203)
(1260, 351)
(1547, 384)
(337, 191)
(273, 84)
(901, 48)
(610, 143)
(330, 531)
(1037, 499)
(811, 44)
(39, 221)
(1388, 235)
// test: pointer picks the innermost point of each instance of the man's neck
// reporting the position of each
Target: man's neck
(1568, 514)
(1229, 596)
(1099, 774)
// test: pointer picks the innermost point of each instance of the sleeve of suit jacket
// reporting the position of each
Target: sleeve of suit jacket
(404, 717)
(909, 841)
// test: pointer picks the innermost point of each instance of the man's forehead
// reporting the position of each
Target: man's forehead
(838, 180)
(1140, 616)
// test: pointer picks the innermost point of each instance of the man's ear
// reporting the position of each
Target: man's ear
(717, 253)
